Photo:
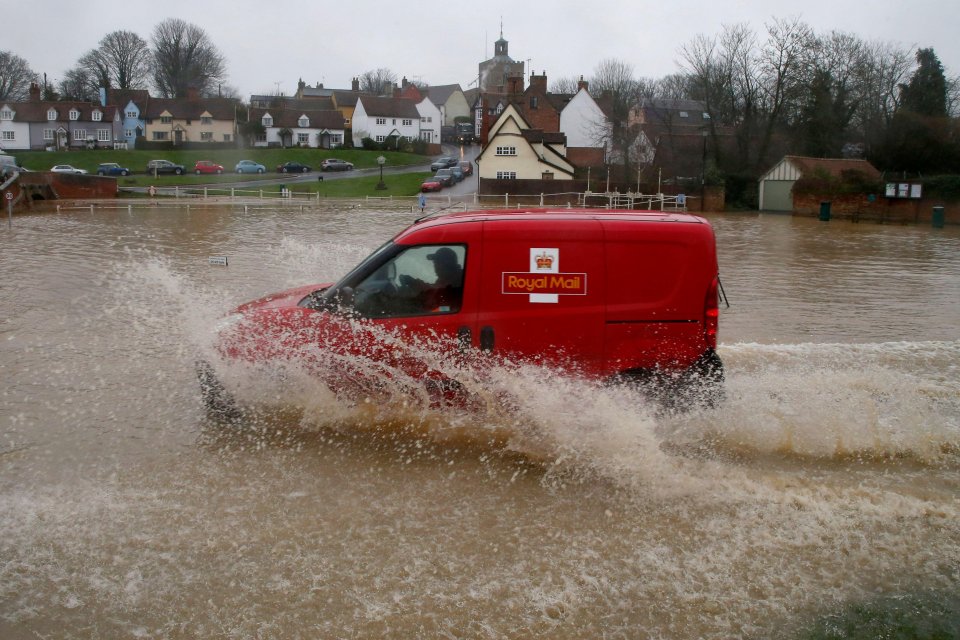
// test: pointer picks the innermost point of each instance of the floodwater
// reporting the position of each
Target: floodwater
(828, 478)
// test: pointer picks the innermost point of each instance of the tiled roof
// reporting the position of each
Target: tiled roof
(319, 118)
(390, 107)
(186, 109)
(37, 111)
(833, 166)
(440, 94)
(122, 97)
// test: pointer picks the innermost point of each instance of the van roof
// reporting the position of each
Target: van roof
(557, 215)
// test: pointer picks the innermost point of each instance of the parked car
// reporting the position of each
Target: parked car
(164, 166)
(587, 315)
(66, 168)
(293, 167)
(206, 166)
(442, 163)
(333, 164)
(249, 166)
(431, 184)
(467, 168)
(8, 165)
(111, 169)
(457, 173)
(445, 176)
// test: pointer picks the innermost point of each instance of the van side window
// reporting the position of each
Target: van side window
(422, 280)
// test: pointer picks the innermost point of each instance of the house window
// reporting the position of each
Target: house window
(9, 135)
(206, 120)
(227, 137)
(132, 114)
(52, 114)
(79, 134)
(97, 116)
(684, 114)
(206, 136)
(346, 122)
(303, 122)
(381, 138)
(6, 114)
(303, 138)
(128, 133)
(48, 134)
(103, 135)
(381, 121)
(506, 175)
(706, 116)
(407, 122)
(166, 119)
(74, 114)
(261, 137)
(336, 138)
(534, 102)
(506, 151)
(267, 121)
(160, 135)
(394, 122)
(499, 109)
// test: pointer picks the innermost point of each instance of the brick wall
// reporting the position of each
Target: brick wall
(858, 207)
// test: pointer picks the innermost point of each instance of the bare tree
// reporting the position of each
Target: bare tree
(614, 82)
(378, 82)
(185, 58)
(126, 58)
(79, 84)
(15, 77)
(568, 85)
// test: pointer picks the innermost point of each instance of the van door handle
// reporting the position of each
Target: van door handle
(464, 338)
(486, 339)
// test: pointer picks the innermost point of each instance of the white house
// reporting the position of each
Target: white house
(14, 134)
(587, 128)
(320, 128)
(430, 120)
(514, 151)
(379, 118)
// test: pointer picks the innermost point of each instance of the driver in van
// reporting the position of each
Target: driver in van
(444, 294)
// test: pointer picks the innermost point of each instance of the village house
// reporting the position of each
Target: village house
(192, 120)
(41, 124)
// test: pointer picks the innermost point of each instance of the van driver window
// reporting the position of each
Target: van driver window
(422, 280)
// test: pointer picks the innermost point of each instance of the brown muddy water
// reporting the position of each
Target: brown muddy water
(829, 476)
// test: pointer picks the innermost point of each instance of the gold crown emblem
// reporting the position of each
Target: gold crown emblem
(544, 261)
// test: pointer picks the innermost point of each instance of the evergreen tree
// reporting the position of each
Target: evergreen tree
(926, 93)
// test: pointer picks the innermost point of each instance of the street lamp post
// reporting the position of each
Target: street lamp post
(703, 171)
(380, 161)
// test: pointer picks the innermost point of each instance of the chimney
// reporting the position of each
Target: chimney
(34, 92)
(583, 84)
(515, 85)
(404, 85)
(355, 84)
(192, 93)
(538, 83)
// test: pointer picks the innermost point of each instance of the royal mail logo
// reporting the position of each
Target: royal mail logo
(544, 261)
(571, 284)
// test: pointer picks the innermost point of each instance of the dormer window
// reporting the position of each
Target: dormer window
(74, 114)
(166, 119)
(267, 121)
(51, 114)
(6, 114)
(303, 122)
(97, 116)
(206, 120)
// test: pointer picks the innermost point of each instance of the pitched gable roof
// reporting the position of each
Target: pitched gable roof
(187, 109)
(440, 94)
(319, 118)
(390, 107)
(834, 166)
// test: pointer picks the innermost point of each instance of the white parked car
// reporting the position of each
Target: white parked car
(66, 168)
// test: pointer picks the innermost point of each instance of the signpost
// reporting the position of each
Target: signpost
(9, 197)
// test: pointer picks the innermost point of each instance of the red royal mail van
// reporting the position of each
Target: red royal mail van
(608, 295)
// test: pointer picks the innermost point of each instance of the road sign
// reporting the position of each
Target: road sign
(9, 195)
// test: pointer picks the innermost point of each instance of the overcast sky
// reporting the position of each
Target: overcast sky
(270, 45)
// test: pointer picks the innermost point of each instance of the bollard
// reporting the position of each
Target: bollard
(825, 211)
(938, 217)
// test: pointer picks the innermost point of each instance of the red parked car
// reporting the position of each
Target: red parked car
(431, 184)
(206, 166)
(604, 295)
